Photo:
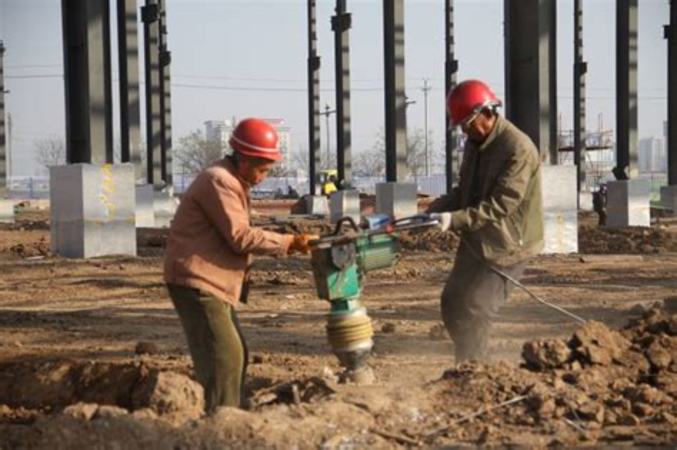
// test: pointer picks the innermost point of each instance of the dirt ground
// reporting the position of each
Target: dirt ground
(92, 354)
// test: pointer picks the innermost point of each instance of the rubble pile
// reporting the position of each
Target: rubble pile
(429, 240)
(634, 240)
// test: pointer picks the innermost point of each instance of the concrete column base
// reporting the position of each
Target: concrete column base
(628, 203)
(669, 198)
(560, 209)
(164, 207)
(6, 210)
(316, 205)
(397, 200)
(145, 213)
(92, 210)
(344, 203)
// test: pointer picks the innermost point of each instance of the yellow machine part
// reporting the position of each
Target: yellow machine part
(350, 332)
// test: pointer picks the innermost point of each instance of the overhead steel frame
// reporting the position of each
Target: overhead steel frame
(395, 98)
(340, 24)
(87, 76)
(130, 99)
(626, 90)
(314, 156)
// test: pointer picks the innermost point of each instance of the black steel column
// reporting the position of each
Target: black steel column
(130, 106)
(450, 80)
(151, 34)
(671, 36)
(527, 63)
(552, 82)
(314, 160)
(3, 148)
(580, 68)
(165, 98)
(395, 98)
(626, 89)
(87, 74)
(340, 24)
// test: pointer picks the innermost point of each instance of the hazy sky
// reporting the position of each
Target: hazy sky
(248, 58)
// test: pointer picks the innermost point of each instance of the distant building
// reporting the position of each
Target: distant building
(652, 155)
(220, 130)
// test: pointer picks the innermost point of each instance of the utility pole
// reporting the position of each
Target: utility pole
(426, 89)
(326, 113)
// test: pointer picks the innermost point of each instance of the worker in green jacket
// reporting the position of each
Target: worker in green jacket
(496, 209)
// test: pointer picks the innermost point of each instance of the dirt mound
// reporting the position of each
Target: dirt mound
(31, 249)
(593, 239)
(429, 240)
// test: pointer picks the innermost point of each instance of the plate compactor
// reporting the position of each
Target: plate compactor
(340, 261)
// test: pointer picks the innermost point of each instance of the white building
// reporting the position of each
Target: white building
(652, 155)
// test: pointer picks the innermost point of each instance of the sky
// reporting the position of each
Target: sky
(240, 58)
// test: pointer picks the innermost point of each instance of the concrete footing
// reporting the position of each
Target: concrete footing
(628, 203)
(92, 210)
(145, 212)
(669, 198)
(316, 205)
(397, 200)
(6, 210)
(164, 207)
(344, 203)
(560, 209)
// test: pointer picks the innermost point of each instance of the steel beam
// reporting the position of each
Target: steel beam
(552, 81)
(314, 156)
(130, 106)
(165, 59)
(3, 146)
(626, 89)
(580, 68)
(527, 63)
(340, 24)
(89, 124)
(151, 45)
(671, 132)
(395, 98)
(450, 80)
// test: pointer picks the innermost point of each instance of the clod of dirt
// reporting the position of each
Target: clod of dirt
(546, 354)
(31, 250)
(80, 410)
(595, 343)
(169, 392)
(388, 327)
(438, 332)
(303, 391)
(146, 348)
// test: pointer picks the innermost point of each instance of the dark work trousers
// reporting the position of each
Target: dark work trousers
(470, 302)
(215, 342)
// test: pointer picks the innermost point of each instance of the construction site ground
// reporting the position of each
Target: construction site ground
(92, 354)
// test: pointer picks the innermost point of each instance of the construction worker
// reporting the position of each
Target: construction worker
(208, 256)
(496, 209)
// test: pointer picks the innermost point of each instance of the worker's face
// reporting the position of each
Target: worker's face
(254, 171)
(479, 126)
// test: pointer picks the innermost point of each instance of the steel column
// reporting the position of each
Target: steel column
(450, 80)
(314, 160)
(626, 89)
(130, 106)
(552, 81)
(87, 75)
(151, 44)
(165, 59)
(671, 132)
(580, 68)
(340, 24)
(527, 64)
(3, 147)
(395, 98)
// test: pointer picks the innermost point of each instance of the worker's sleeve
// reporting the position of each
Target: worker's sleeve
(506, 197)
(224, 208)
(446, 202)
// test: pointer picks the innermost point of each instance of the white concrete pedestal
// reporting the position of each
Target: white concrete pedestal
(344, 203)
(628, 203)
(669, 198)
(397, 200)
(560, 209)
(6, 210)
(92, 210)
(145, 212)
(316, 205)
(164, 207)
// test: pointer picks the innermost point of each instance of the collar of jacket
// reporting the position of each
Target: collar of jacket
(498, 126)
(227, 162)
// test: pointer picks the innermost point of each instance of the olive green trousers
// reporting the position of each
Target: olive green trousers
(215, 342)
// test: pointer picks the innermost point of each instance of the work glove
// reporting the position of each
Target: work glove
(443, 219)
(301, 243)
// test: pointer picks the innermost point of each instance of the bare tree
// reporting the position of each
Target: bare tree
(50, 152)
(372, 162)
(195, 153)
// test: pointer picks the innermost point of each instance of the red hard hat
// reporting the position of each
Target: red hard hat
(255, 137)
(469, 98)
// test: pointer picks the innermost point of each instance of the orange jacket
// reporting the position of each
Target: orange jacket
(210, 239)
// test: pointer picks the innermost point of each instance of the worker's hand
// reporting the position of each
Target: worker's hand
(300, 243)
(443, 219)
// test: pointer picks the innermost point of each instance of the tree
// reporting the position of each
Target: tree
(372, 162)
(194, 153)
(50, 152)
